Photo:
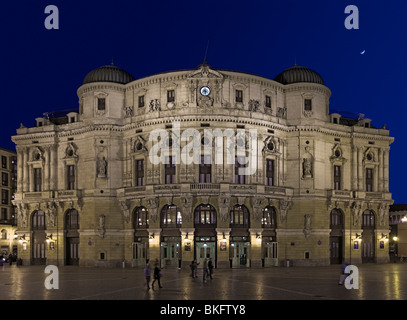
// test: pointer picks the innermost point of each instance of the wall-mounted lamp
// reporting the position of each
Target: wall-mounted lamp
(48, 238)
(151, 237)
(258, 236)
(15, 235)
(358, 237)
(186, 237)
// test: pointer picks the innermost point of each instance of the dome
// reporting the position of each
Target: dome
(108, 74)
(299, 74)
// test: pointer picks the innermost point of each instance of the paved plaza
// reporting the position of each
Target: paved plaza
(376, 282)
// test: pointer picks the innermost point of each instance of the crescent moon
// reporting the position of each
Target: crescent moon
(363, 52)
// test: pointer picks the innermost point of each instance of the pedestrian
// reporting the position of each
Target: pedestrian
(195, 269)
(205, 269)
(147, 274)
(157, 276)
(10, 258)
(210, 267)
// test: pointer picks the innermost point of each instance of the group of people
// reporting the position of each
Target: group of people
(207, 269)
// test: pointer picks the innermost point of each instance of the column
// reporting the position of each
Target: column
(355, 168)
(386, 169)
(360, 169)
(25, 178)
(20, 161)
(53, 167)
(380, 185)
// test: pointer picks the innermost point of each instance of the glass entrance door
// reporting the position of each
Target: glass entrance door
(270, 254)
(205, 250)
(140, 251)
(239, 254)
(171, 252)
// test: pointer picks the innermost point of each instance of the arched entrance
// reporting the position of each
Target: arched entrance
(269, 237)
(336, 219)
(72, 237)
(205, 233)
(171, 221)
(140, 244)
(239, 252)
(368, 236)
(39, 245)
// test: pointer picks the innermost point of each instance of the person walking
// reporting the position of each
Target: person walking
(210, 267)
(205, 269)
(157, 276)
(147, 274)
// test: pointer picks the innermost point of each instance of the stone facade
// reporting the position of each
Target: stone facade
(91, 192)
(8, 170)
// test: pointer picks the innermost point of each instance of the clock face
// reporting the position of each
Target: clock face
(205, 91)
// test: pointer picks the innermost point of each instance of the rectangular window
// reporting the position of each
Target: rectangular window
(239, 96)
(4, 162)
(170, 95)
(140, 101)
(205, 169)
(139, 172)
(169, 170)
(239, 163)
(70, 177)
(268, 102)
(4, 196)
(3, 214)
(308, 104)
(337, 177)
(369, 179)
(270, 172)
(101, 103)
(4, 179)
(37, 179)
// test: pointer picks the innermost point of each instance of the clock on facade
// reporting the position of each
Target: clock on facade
(205, 91)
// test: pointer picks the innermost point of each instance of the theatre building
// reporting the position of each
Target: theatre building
(202, 163)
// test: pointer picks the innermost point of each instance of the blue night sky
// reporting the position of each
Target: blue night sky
(42, 69)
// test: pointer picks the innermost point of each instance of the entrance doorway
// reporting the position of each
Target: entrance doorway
(336, 236)
(240, 252)
(72, 237)
(205, 248)
(39, 245)
(368, 236)
(270, 254)
(140, 251)
(171, 252)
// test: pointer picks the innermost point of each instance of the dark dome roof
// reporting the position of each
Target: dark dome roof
(108, 74)
(299, 74)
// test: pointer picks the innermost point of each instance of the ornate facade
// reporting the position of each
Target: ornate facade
(191, 164)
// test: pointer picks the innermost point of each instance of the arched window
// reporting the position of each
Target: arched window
(171, 217)
(38, 220)
(72, 219)
(140, 215)
(239, 216)
(269, 219)
(336, 219)
(205, 214)
(368, 219)
(3, 234)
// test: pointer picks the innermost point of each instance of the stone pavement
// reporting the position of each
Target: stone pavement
(376, 282)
